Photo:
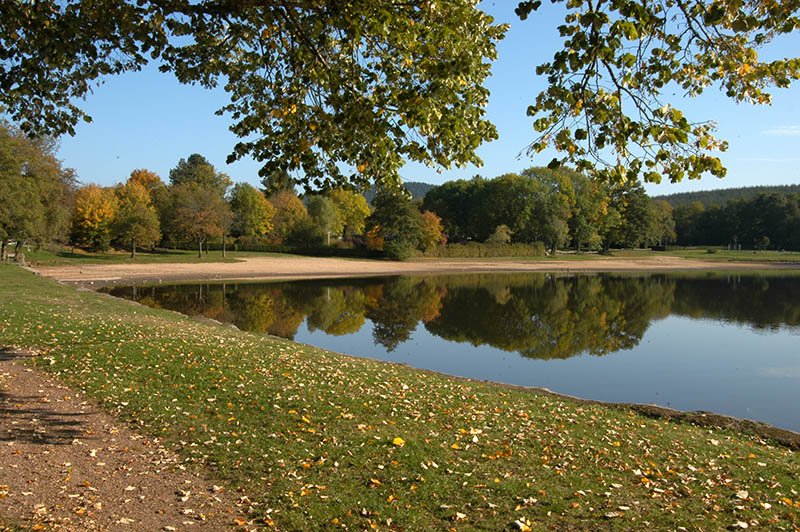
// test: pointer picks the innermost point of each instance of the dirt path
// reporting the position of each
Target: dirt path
(268, 267)
(65, 465)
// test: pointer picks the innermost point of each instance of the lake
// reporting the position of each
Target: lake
(726, 343)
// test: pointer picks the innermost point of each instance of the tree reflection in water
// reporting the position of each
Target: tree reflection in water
(541, 315)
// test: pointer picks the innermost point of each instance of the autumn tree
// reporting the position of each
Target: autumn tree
(352, 209)
(147, 179)
(430, 231)
(92, 221)
(316, 88)
(252, 213)
(135, 219)
(289, 212)
(604, 107)
(200, 213)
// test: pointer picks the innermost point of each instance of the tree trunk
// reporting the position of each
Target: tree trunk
(200, 248)
(223, 245)
(3, 250)
(133, 248)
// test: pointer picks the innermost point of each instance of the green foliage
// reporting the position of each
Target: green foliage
(399, 249)
(252, 213)
(36, 193)
(135, 220)
(767, 220)
(352, 209)
(502, 235)
(721, 196)
(397, 220)
(313, 88)
(199, 171)
(486, 250)
(306, 233)
(325, 215)
(339, 416)
(603, 107)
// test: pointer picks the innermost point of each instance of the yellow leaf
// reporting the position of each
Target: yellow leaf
(399, 442)
(455, 446)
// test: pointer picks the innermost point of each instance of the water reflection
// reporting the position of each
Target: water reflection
(542, 316)
(724, 343)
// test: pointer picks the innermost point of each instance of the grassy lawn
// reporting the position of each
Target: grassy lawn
(66, 256)
(723, 255)
(322, 441)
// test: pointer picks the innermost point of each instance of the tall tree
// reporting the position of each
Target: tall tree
(92, 221)
(36, 191)
(352, 208)
(638, 226)
(314, 87)
(135, 220)
(289, 212)
(554, 203)
(664, 222)
(146, 178)
(323, 212)
(200, 213)
(397, 221)
(196, 169)
(430, 231)
(603, 107)
(252, 213)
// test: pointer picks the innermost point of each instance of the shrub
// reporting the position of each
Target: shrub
(399, 249)
(476, 250)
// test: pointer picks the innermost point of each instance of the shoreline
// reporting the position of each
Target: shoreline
(300, 267)
(314, 268)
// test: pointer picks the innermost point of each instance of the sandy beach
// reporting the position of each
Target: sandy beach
(298, 267)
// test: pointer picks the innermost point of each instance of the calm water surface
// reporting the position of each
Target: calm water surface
(715, 342)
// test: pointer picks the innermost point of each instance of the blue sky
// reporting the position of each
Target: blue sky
(149, 120)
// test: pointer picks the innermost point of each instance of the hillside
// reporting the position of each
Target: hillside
(723, 196)
(417, 189)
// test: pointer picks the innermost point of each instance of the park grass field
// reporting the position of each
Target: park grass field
(323, 441)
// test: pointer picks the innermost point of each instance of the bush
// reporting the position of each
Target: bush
(476, 250)
(399, 249)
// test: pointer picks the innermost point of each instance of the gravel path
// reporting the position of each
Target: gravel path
(65, 465)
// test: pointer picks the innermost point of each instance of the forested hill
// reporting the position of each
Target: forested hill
(722, 196)
(417, 189)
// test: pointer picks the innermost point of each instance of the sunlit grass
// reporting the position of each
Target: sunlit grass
(324, 441)
(65, 256)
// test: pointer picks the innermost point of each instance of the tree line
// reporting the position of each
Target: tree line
(559, 207)
(200, 204)
(722, 196)
(767, 221)
(43, 202)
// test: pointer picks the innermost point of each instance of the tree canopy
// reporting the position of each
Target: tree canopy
(604, 107)
(321, 93)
